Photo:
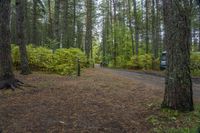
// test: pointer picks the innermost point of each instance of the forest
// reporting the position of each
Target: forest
(110, 66)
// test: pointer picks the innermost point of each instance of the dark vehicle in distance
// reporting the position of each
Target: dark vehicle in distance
(163, 60)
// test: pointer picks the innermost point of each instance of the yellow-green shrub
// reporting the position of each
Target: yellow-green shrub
(195, 63)
(142, 61)
(63, 61)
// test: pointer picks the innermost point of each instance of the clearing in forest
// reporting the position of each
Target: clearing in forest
(98, 101)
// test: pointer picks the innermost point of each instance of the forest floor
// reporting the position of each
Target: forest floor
(101, 100)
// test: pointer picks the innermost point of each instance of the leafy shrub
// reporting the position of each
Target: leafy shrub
(63, 61)
(195, 63)
(143, 61)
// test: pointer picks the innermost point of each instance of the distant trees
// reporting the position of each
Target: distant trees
(178, 89)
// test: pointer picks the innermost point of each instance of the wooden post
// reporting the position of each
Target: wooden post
(78, 67)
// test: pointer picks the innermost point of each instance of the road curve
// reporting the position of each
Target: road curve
(150, 79)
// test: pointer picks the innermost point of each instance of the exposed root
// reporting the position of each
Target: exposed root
(12, 84)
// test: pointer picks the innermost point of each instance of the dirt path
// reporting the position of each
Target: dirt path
(151, 79)
(100, 101)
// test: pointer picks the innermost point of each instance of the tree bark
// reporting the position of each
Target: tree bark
(114, 35)
(74, 24)
(136, 27)
(130, 26)
(57, 21)
(154, 29)
(34, 25)
(65, 29)
(178, 86)
(21, 41)
(147, 26)
(50, 25)
(88, 36)
(199, 27)
(7, 78)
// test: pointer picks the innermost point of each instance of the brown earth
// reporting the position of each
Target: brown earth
(99, 101)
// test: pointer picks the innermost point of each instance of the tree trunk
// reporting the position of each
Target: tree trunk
(74, 24)
(65, 29)
(114, 30)
(199, 28)
(50, 25)
(136, 27)
(27, 23)
(7, 78)
(178, 89)
(130, 26)
(88, 36)
(21, 41)
(154, 29)
(79, 35)
(57, 22)
(147, 26)
(34, 26)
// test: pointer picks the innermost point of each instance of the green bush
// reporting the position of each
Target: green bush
(195, 64)
(62, 61)
(144, 62)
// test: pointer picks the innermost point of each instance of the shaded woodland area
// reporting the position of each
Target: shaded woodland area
(54, 39)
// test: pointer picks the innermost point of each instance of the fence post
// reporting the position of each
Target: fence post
(78, 67)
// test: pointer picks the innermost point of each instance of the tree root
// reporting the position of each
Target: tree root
(12, 84)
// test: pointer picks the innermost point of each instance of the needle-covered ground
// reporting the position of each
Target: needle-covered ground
(97, 102)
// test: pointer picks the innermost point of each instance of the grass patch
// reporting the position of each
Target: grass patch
(170, 121)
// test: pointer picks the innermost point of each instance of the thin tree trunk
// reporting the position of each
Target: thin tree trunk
(114, 30)
(65, 28)
(154, 29)
(199, 27)
(136, 27)
(74, 24)
(147, 26)
(57, 22)
(50, 27)
(34, 26)
(178, 89)
(130, 27)
(79, 35)
(21, 41)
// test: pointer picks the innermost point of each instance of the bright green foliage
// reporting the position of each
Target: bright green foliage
(195, 63)
(62, 61)
(144, 62)
(65, 60)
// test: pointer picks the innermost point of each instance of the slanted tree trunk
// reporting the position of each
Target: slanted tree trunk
(21, 41)
(178, 86)
(7, 79)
